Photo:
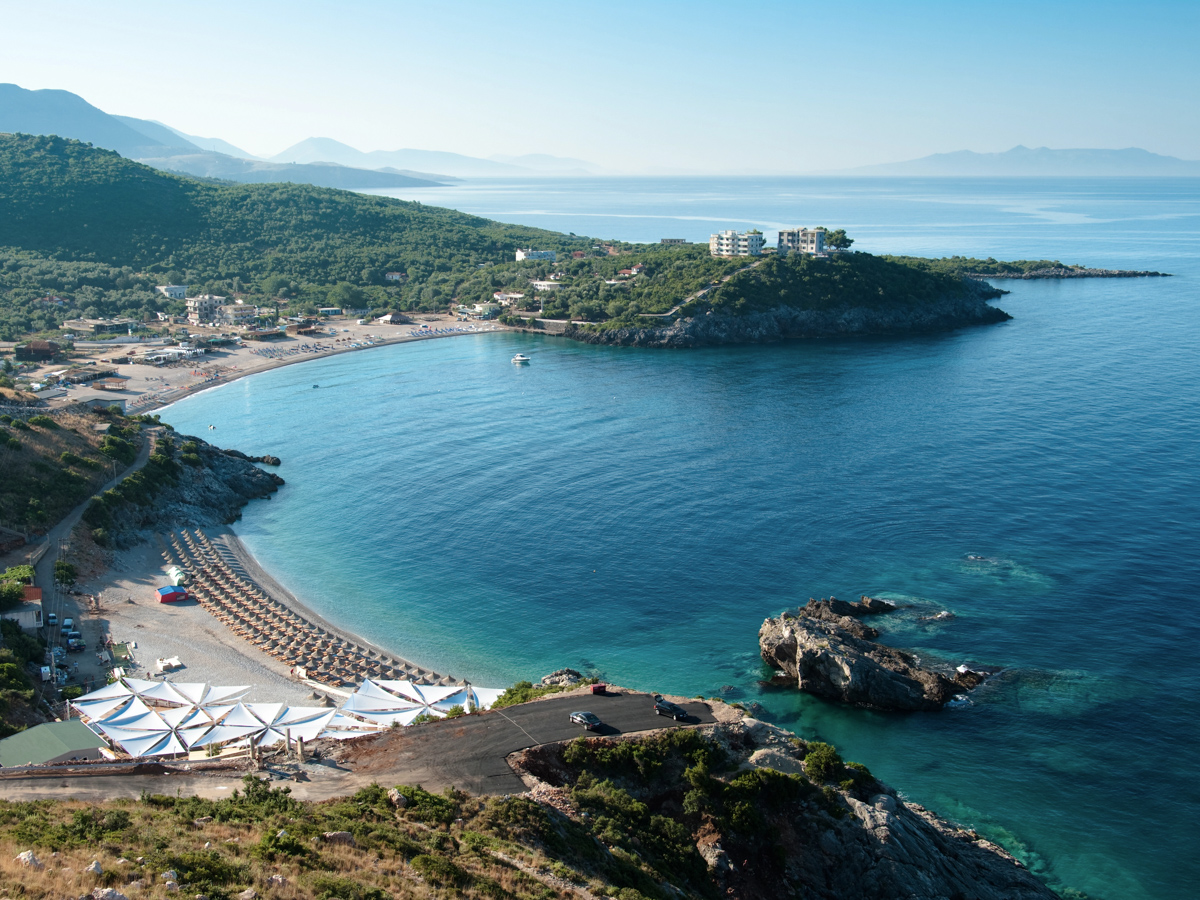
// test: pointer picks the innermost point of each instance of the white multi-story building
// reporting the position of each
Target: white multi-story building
(802, 240)
(173, 291)
(237, 314)
(537, 254)
(203, 308)
(736, 243)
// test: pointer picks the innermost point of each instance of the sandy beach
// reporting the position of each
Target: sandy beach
(149, 387)
(128, 610)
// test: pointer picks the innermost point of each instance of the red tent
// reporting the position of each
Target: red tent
(172, 594)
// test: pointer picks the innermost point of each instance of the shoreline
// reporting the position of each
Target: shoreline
(163, 386)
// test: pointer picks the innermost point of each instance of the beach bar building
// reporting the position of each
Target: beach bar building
(172, 594)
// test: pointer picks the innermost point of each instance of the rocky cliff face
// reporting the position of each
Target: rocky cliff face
(212, 493)
(827, 651)
(788, 322)
(862, 843)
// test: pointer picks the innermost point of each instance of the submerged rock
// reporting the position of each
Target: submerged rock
(826, 651)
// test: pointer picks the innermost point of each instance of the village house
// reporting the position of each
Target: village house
(173, 291)
(504, 298)
(101, 326)
(395, 276)
(549, 255)
(236, 314)
(37, 351)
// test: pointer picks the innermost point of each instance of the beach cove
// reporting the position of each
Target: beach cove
(641, 512)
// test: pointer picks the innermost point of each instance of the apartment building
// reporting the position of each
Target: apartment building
(736, 243)
(203, 308)
(802, 240)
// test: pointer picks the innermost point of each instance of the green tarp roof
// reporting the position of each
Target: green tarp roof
(42, 743)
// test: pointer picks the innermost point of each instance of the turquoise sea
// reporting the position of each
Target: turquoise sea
(639, 513)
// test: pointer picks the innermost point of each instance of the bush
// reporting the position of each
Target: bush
(118, 448)
(822, 763)
(329, 888)
(190, 459)
(429, 808)
(274, 845)
(43, 422)
(440, 870)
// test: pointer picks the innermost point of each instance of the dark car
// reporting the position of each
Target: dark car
(667, 708)
(588, 720)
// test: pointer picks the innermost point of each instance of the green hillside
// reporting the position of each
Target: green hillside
(100, 231)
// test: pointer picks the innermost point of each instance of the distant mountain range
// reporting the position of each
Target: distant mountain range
(323, 149)
(1023, 161)
(323, 162)
(155, 144)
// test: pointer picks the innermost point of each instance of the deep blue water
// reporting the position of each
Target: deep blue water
(641, 512)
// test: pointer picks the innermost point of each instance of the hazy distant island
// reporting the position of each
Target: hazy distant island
(1038, 162)
(86, 235)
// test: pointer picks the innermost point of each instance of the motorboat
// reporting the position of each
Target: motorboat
(520, 359)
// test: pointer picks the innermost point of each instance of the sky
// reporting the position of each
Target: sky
(770, 87)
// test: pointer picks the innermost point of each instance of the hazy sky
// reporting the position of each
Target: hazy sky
(717, 87)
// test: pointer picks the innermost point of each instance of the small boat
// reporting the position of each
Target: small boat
(520, 359)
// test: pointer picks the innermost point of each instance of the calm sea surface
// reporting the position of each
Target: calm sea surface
(639, 513)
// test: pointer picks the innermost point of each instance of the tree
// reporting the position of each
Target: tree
(837, 240)
(346, 295)
(19, 574)
(64, 572)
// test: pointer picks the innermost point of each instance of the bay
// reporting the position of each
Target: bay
(638, 513)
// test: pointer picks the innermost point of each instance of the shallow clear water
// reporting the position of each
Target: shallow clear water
(640, 512)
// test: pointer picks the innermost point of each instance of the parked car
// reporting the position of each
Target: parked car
(51, 620)
(590, 721)
(68, 623)
(667, 708)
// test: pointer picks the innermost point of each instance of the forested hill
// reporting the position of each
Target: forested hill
(86, 232)
(70, 200)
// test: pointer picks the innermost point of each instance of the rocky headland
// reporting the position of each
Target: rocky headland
(789, 322)
(820, 827)
(187, 483)
(1068, 272)
(826, 650)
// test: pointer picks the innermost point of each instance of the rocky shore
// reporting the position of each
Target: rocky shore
(814, 837)
(826, 650)
(193, 496)
(784, 322)
(1069, 272)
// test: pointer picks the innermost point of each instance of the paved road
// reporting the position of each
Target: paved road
(470, 753)
(466, 753)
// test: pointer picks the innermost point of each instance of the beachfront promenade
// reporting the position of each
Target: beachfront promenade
(275, 628)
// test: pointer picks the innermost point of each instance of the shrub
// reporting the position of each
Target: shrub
(19, 425)
(455, 711)
(274, 845)
(440, 870)
(429, 808)
(822, 763)
(329, 888)
(43, 422)
(118, 448)
(190, 459)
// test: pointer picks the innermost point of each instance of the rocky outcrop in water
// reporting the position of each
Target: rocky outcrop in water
(826, 650)
(712, 329)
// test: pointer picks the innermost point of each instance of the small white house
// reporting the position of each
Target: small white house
(173, 291)
(505, 298)
(537, 254)
(27, 614)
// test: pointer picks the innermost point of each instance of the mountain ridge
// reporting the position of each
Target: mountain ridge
(1034, 162)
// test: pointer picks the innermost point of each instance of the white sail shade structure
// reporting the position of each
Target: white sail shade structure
(163, 718)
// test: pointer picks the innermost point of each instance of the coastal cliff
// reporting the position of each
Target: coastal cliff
(743, 809)
(826, 650)
(714, 326)
(187, 482)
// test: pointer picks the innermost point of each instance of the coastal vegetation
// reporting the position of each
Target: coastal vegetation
(84, 232)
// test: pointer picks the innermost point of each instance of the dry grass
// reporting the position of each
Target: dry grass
(393, 859)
